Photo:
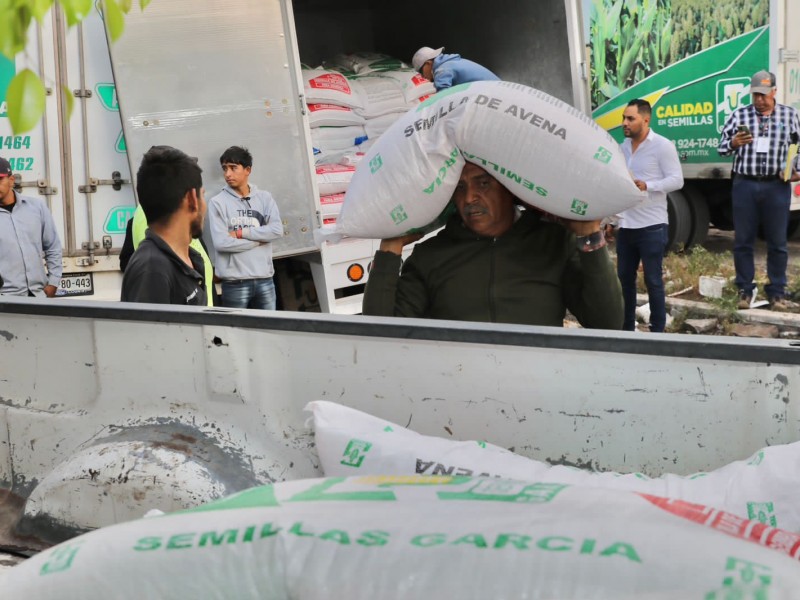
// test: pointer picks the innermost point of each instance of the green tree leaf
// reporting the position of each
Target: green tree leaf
(75, 10)
(115, 19)
(143, 3)
(125, 5)
(13, 29)
(69, 99)
(25, 98)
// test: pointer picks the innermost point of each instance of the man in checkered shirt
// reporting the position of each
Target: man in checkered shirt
(759, 135)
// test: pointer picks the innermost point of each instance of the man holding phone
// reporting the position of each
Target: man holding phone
(759, 135)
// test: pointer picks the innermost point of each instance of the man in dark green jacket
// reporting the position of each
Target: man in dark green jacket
(494, 262)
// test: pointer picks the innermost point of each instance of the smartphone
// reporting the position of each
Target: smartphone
(745, 129)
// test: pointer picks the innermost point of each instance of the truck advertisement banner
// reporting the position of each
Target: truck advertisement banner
(14, 148)
(7, 72)
(692, 59)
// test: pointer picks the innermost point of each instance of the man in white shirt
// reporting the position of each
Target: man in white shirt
(642, 235)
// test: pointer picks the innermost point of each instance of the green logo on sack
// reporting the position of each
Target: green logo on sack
(756, 460)
(763, 512)
(108, 96)
(743, 575)
(507, 491)
(354, 453)
(603, 155)
(398, 214)
(375, 164)
(388, 429)
(60, 559)
(578, 207)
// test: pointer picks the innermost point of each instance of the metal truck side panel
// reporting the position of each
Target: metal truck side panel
(239, 381)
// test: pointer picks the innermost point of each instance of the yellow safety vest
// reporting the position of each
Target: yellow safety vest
(137, 232)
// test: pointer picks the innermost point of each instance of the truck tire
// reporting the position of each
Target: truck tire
(698, 207)
(680, 222)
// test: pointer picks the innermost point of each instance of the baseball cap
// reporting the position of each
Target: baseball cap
(5, 168)
(762, 83)
(423, 55)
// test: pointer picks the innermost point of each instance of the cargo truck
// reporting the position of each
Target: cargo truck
(693, 61)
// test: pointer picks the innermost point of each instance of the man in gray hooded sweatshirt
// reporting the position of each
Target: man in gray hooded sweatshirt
(244, 221)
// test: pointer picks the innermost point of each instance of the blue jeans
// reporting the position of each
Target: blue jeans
(765, 203)
(249, 293)
(645, 245)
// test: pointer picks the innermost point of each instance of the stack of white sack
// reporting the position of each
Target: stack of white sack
(332, 181)
(763, 488)
(547, 153)
(363, 63)
(415, 87)
(337, 129)
(351, 109)
(360, 96)
(421, 537)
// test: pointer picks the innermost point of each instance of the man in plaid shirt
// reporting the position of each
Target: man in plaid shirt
(759, 136)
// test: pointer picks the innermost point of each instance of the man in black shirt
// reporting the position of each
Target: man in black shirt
(164, 269)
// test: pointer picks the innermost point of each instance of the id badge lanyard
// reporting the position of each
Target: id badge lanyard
(762, 141)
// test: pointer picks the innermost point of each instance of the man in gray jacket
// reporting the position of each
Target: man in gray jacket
(244, 220)
(27, 234)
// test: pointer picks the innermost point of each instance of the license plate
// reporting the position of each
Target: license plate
(76, 284)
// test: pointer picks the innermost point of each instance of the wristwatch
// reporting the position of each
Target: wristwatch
(590, 243)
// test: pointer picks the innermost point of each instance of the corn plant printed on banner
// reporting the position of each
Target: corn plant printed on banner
(420, 537)
(547, 153)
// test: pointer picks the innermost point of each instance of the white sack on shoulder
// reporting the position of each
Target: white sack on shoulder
(764, 487)
(547, 153)
(377, 127)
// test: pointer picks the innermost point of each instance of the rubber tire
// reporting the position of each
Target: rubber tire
(698, 206)
(680, 221)
(722, 217)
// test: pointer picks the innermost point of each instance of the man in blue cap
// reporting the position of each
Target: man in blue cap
(448, 70)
